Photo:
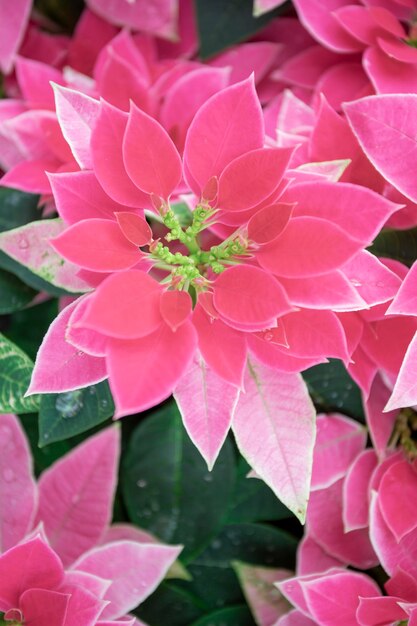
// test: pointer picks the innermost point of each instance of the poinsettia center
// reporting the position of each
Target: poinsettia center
(195, 267)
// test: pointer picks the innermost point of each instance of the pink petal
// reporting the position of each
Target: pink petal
(265, 601)
(185, 98)
(97, 245)
(41, 606)
(311, 557)
(308, 246)
(215, 135)
(388, 75)
(295, 618)
(222, 347)
(107, 156)
(157, 17)
(149, 155)
(380, 610)
(391, 554)
(339, 441)
(13, 28)
(249, 295)
(274, 426)
(61, 367)
(135, 571)
(327, 291)
(385, 127)
(277, 357)
(143, 372)
(255, 174)
(18, 491)
(360, 212)
(30, 176)
(207, 403)
(312, 333)
(405, 302)
(335, 598)
(28, 565)
(87, 340)
(78, 196)
(126, 305)
(398, 505)
(374, 282)
(134, 228)
(356, 490)
(269, 222)
(77, 114)
(317, 17)
(83, 607)
(96, 585)
(34, 80)
(405, 388)
(76, 495)
(175, 307)
(325, 523)
(380, 423)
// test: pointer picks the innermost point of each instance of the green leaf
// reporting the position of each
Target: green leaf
(17, 208)
(63, 415)
(253, 500)
(213, 577)
(222, 24)
(232, 616)
(14, 294)
(27, 328)
(332, 389)
(15, 372)
(400, 245)
(29, 245)
(29, 278)
(167, 487)
(170, 605)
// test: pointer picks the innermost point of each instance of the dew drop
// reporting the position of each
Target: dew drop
(69, 404)
(142, 483)
(208, 478)
(103, 404)
(23, 243)
(5, 433)
(380, 284)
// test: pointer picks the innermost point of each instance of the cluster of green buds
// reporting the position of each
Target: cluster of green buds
(191, 269)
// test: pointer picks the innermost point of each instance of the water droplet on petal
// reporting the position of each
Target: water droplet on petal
(23, 243)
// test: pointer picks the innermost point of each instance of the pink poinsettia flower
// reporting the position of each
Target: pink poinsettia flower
(383, 32)
(145, 170)
(61, 561)
(235, 295)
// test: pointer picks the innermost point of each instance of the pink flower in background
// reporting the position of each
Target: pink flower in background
(61, 562)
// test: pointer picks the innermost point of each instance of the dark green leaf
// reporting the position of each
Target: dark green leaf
(253, 501)
(14, 294)
(332, 389)
(222, 24)
(232, 616)
(170, 605)
(15, 372)
(63, 415)
(17, 208)
(29, 278)
(64, 12)
(213, 577)
(167, 487)
(400, 245)
(27, 328)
